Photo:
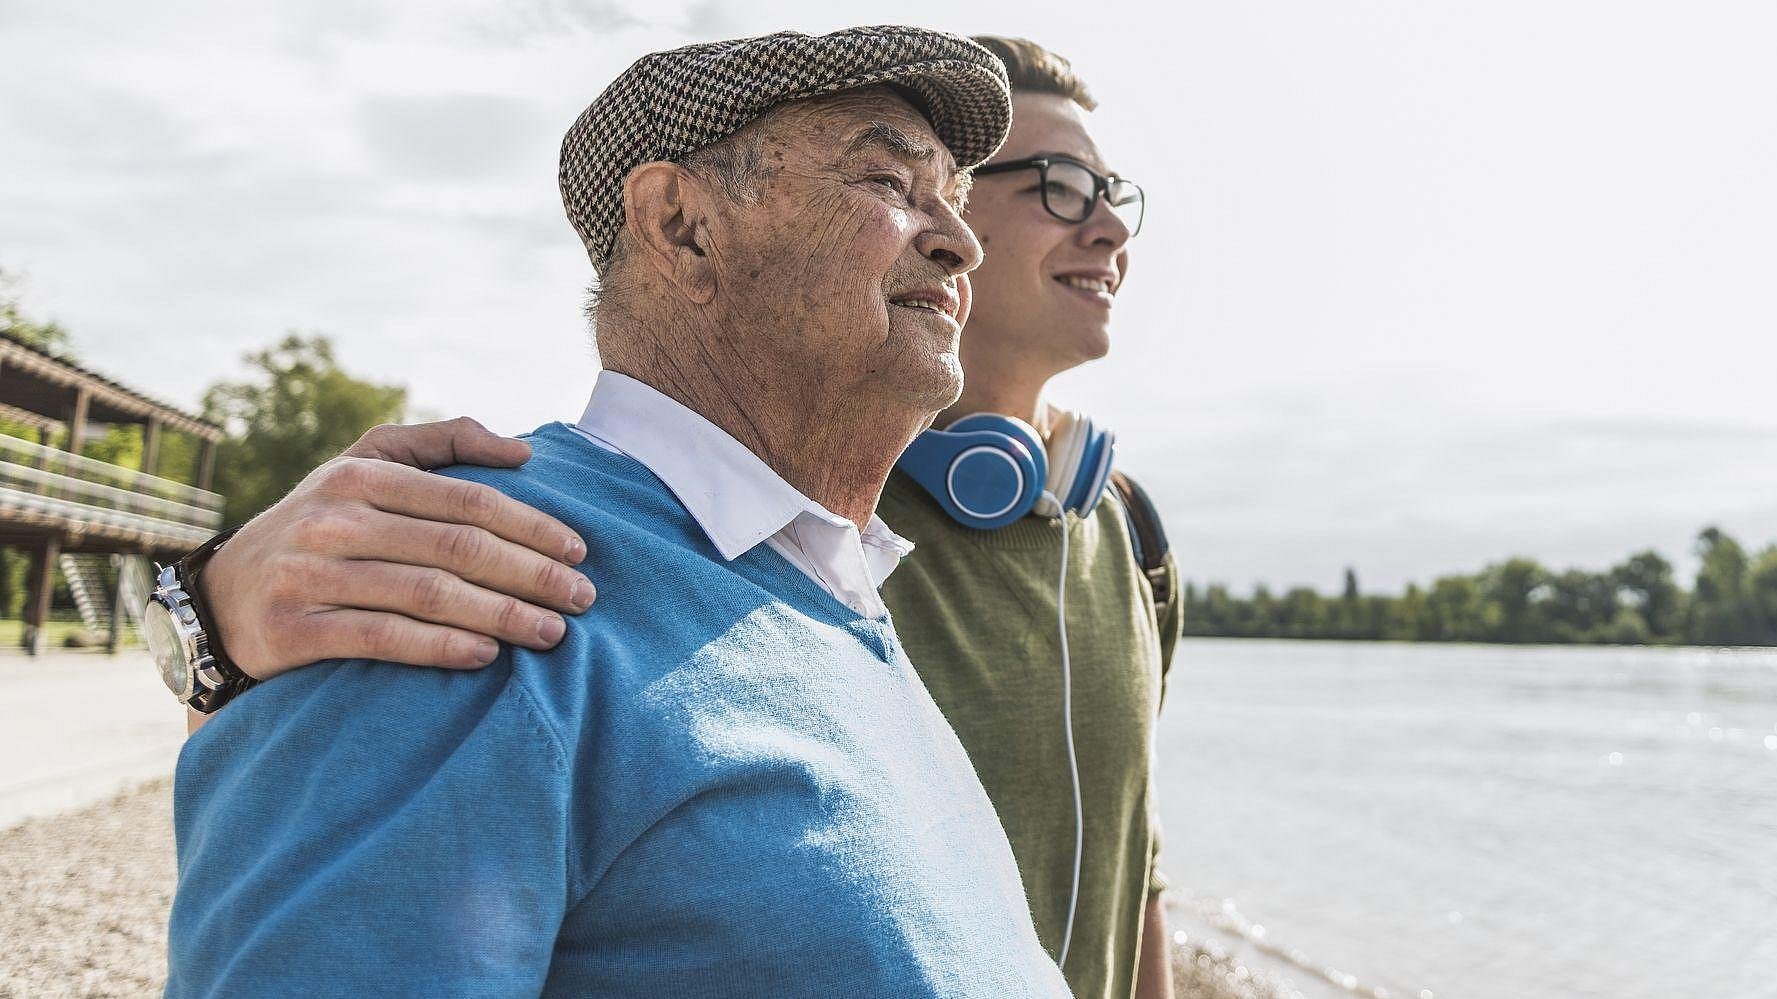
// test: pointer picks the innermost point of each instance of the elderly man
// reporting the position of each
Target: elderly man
(730, 780)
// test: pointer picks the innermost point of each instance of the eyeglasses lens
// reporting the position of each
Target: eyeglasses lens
(1069, 191)
(1128, 202)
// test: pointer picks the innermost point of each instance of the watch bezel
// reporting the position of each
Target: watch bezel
(171, 599)
(173, 663)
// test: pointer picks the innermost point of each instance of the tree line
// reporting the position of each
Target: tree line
(1732, 601)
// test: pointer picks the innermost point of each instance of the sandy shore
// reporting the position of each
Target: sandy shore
(84, 897)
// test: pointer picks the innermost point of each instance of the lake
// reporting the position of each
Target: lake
(1474, 821)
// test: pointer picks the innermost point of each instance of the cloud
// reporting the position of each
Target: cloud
(1647, 429)
(99, 129)
(530, 21)
(711, 19)
(459, 137)
(314, 29)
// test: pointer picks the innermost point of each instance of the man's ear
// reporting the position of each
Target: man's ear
(666, 213)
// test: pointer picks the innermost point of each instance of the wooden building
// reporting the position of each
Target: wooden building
(54, 502)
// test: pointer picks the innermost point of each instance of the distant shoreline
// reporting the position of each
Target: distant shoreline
(1731, 604)
(1479, 643)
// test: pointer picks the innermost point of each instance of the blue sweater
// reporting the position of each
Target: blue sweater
(722, 782)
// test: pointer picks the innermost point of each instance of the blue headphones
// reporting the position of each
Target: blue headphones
(988, 470)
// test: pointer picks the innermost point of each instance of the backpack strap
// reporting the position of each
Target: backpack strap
(1147, 537)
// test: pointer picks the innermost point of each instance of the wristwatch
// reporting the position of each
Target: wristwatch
(180, 635)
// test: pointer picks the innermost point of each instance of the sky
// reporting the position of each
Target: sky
(1422, 285)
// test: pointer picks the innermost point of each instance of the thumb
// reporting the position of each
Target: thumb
(461, 441)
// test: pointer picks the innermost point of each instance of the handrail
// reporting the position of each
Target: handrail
(89, 516)
(35, 480)
(115, 476)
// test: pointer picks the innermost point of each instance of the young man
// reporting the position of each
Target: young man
(408, 572)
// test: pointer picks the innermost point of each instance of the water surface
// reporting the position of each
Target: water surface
(1478, 821)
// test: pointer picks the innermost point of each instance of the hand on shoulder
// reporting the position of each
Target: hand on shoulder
(371, 556)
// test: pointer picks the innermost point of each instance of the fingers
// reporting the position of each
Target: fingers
(361, 634)
(409, 492)
(472, 553)
(438, 597)
(461, 441)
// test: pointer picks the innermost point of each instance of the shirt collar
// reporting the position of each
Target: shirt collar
(736, 498)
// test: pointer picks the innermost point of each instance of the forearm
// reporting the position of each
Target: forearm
(1153, 978)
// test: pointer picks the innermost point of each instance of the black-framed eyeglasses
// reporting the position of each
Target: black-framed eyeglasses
(1071, 189)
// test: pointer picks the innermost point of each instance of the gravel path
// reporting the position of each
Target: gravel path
(84, 898)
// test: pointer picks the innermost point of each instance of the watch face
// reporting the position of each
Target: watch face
(166, 641)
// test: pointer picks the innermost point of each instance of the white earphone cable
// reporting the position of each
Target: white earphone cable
(1053, 506)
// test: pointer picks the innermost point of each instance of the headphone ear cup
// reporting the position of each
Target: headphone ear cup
(984, 478)
(1017, 430)
(1081, 457)
(1094, 473)
(1067, 443)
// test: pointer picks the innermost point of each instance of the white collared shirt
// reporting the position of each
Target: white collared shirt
(737, 498)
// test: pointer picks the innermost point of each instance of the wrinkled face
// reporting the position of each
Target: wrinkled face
(847, 261)
(1043, 295)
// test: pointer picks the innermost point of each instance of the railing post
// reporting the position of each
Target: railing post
(206, 464)
(151, 447)
(77, 419)
(37, 606)
(114, 636)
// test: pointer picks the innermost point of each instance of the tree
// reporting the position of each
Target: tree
(1650, 587)
(1582, 606)
(1627, 628)
(1208, 612)
(303, 411)
(1761, 587)
(1721, 611)
(15, 567)
(1456, 612)
(1406, 618)
(1302, 614)
(1261, 618)
(1512, 587)
(1350, 614)
(50, 337)
(1220, 610)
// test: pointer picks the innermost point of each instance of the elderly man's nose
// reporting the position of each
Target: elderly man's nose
(954, 246)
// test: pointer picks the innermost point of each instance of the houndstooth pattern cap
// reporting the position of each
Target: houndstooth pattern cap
(670, 104)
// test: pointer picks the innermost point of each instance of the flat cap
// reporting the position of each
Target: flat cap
(670, 104)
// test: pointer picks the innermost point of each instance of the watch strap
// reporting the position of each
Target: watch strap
(234, 680)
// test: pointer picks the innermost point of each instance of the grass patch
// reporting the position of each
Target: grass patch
(59, 634)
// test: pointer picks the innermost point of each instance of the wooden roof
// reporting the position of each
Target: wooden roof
(44, 384)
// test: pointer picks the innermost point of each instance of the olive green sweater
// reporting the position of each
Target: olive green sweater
(976, 611)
